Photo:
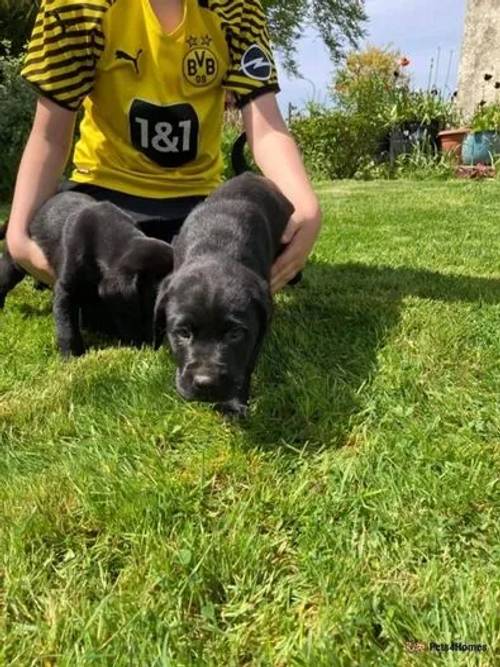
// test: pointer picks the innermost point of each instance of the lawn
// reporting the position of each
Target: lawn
(355, 510)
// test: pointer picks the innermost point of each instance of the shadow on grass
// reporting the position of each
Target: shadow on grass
(322, 351)
(324, 346)
(32, 310)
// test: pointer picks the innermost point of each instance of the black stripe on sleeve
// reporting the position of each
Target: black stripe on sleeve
(243, 9)
(43, 93)
(85, 5)
(61, 64)
(93, 32)
(248, 23)
(243, 100)
(64, 23)
(62, 50)
(239, 84)
(82, 88)
(64, 76)
(228, 13)
(73, 87)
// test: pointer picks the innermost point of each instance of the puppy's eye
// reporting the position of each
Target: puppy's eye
(235, 333)
(185, 333)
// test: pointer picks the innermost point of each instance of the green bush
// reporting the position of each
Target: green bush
(375, 83)
(17, 104)
(369, 81)
(422, 108)
(334, 143)
(16, 22)
(420, 164)
(229, 136)
(486, 118)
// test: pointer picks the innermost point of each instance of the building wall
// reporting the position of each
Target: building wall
(480, 55)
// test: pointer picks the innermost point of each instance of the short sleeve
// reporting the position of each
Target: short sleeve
(252, 70)
(65, 46)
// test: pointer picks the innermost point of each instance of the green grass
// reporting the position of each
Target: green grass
(355, 510)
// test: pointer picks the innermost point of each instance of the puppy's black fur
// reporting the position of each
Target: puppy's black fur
(216, 305)
(98, 256)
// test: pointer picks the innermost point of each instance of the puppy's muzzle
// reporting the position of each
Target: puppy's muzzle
(206, 384)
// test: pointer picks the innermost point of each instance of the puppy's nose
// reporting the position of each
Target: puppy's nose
(204, 382)
(207, 383)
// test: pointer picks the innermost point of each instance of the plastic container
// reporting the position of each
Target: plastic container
(480, 147)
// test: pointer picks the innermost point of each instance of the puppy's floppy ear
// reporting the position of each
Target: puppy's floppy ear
(160, 314)
(261, 296)
(269, 196)
(120, 292)
(147, 255)
(286, 208)
(279, 209)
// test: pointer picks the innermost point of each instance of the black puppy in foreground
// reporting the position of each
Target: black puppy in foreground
(99, 257)
(215, 307)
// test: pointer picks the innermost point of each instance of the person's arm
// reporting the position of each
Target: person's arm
(278, 157)
(62, 84)
(253, 80)
(41, 167)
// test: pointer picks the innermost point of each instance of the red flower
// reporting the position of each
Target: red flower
(404, 62)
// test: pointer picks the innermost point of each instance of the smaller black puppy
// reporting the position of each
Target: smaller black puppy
(216, 305)
(99, 258)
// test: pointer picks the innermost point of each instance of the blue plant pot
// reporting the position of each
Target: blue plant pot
(479, 147)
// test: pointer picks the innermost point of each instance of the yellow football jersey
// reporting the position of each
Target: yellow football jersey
(153, 101)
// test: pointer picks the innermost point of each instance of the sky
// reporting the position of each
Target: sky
(418, 28)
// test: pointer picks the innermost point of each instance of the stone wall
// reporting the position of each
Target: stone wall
(480, 55)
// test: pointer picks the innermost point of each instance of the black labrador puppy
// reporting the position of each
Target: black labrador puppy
(101, 260)
(215, 307)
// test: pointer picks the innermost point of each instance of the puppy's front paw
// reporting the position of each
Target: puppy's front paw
(233, 409)
(71, 348)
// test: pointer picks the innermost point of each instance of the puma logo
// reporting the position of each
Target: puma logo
(122, 55)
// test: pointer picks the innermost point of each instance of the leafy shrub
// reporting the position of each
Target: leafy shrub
(486, 118)
(17, 104)
(16, 22)
(422, 162)
(369, 81)
(375, 85)
(334, 143)
(421, 108)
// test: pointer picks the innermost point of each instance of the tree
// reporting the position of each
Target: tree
(368, 80)
(339, 23)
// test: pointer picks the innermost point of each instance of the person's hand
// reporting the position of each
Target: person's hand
(299, 237)
(25, 252)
